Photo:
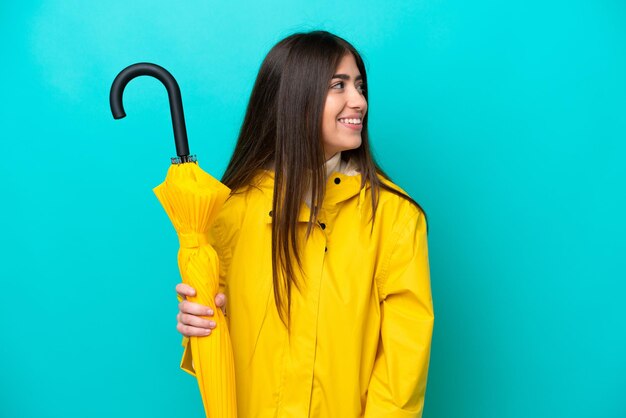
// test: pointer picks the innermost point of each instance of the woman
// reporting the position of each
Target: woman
(323, 260)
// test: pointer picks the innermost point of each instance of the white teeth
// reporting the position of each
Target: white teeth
(351, 121)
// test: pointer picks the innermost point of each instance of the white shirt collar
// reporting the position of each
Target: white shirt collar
(333, 164)
(336, 165)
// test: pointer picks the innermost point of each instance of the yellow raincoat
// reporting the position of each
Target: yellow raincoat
(361, 336)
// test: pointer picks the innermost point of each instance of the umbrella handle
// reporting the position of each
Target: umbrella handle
(173, 92)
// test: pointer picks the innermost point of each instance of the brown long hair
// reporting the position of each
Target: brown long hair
(282, 125)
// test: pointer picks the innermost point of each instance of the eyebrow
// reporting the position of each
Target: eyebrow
(347, 77)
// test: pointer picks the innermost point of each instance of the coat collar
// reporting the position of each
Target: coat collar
(343, 181)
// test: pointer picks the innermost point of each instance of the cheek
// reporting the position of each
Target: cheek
(331, 111)
(329, 122)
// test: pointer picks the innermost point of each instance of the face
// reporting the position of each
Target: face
(344, 110)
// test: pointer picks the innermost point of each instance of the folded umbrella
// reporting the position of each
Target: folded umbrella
(192, 198)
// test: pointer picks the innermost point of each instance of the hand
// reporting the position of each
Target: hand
(190, 321)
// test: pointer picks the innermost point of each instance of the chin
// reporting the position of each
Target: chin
(349, 144)
(345, 144)
(353, 145)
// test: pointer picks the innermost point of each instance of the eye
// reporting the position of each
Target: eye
(340, 85)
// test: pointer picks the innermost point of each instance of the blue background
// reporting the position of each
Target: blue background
(505, 120)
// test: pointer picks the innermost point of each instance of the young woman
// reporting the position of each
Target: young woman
(323, 260)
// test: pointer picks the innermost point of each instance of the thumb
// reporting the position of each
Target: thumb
(220, 301)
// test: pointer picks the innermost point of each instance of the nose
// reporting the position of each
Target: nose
(356, 100)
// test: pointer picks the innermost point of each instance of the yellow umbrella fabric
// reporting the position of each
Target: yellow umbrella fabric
(192, 198)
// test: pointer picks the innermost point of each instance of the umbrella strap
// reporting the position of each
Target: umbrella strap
(192, 239)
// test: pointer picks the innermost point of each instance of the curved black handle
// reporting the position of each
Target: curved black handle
(173, 92)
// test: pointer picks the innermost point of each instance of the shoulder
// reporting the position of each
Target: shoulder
(243, 203)
(397, 204)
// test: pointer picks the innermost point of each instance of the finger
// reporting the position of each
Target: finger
(194, 308)
(196, 321)
(220, 299)
(189, 331)
(185, 290)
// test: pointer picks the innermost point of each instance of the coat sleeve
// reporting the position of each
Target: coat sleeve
(398, 382)
(224, 256)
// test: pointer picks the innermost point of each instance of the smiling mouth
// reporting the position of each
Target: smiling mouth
(351, 125)
(350, 121)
